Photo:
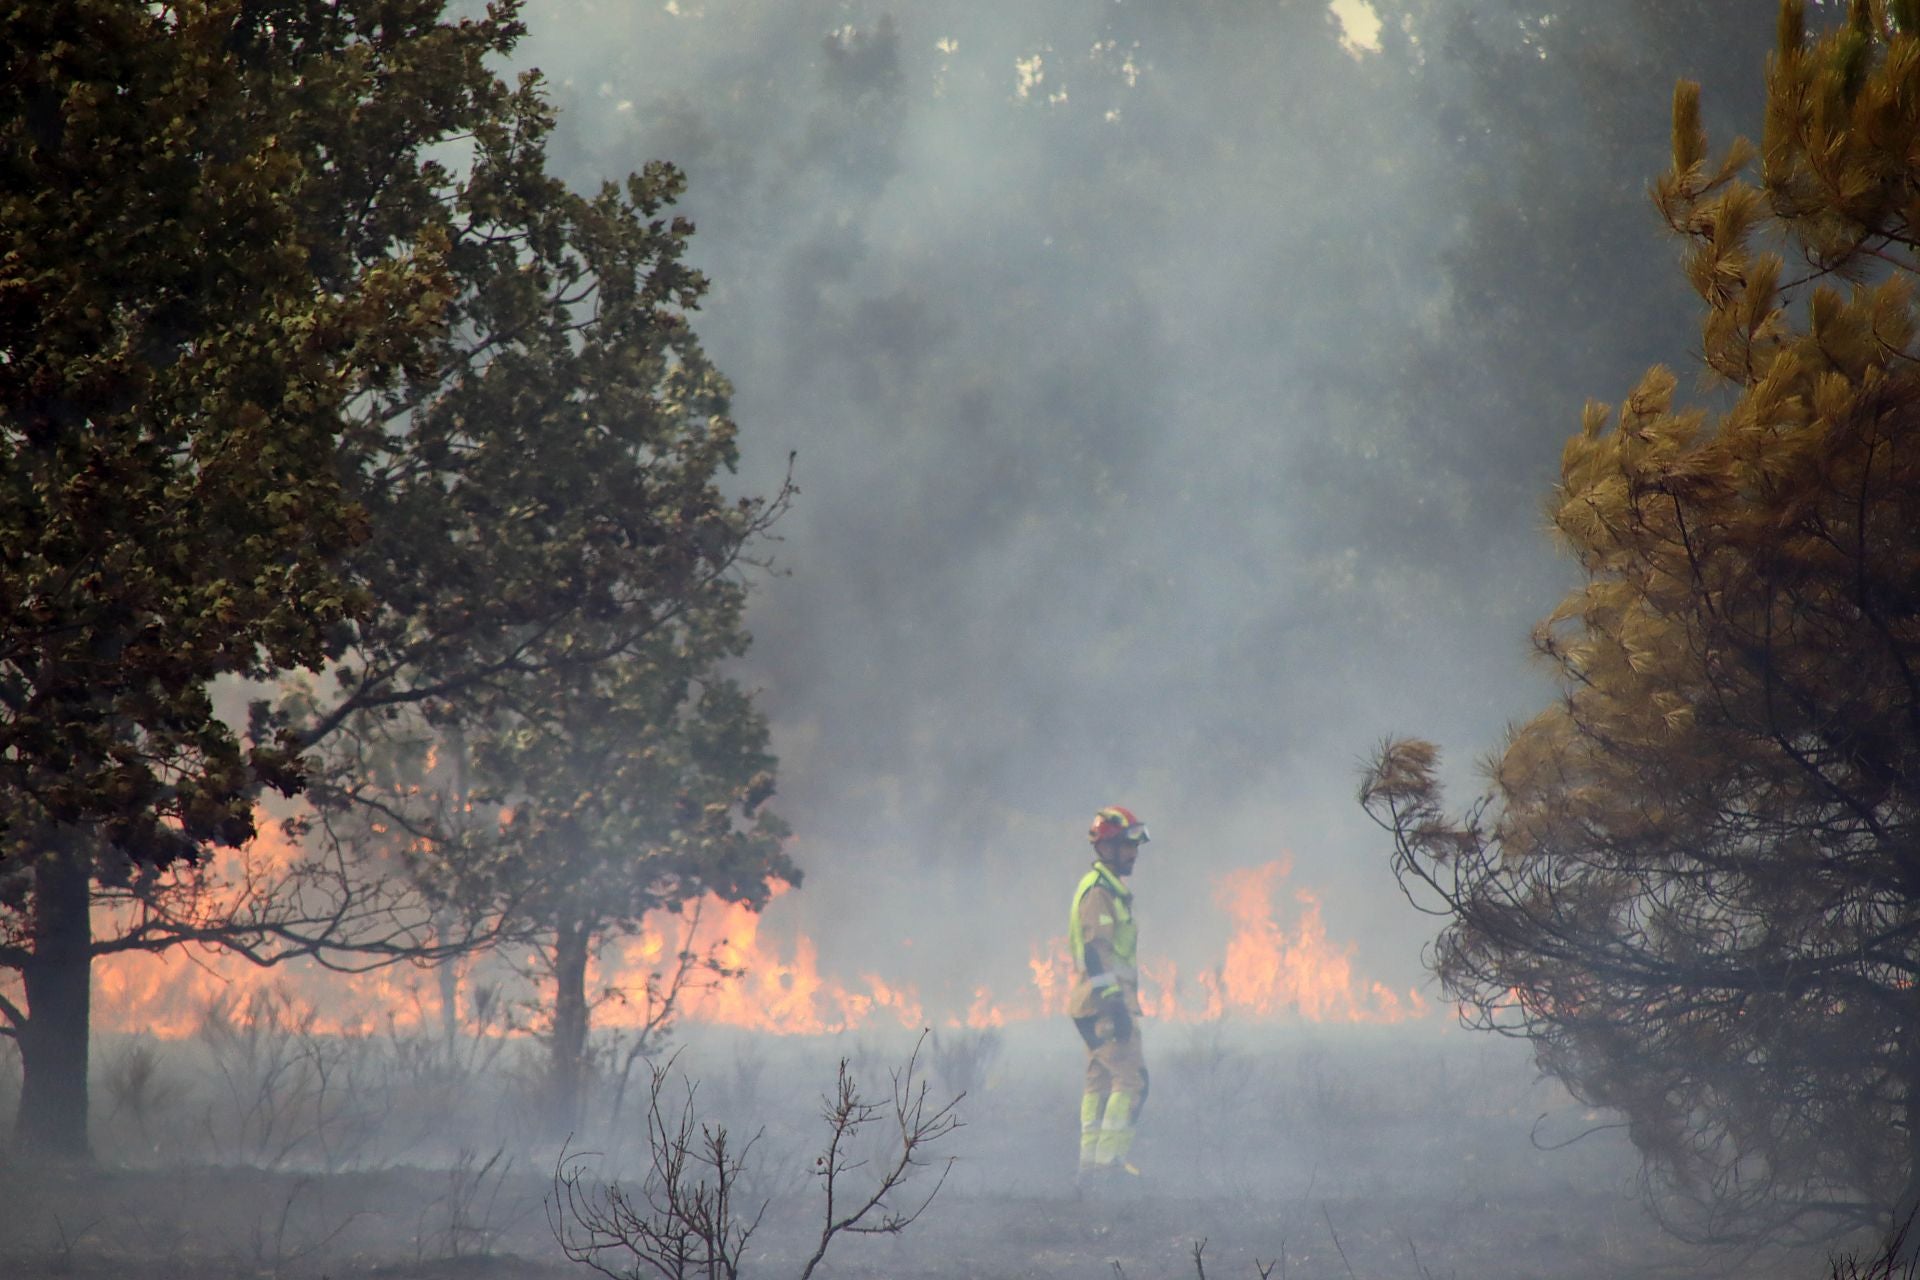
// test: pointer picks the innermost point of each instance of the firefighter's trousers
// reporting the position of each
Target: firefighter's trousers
(1116, 1089)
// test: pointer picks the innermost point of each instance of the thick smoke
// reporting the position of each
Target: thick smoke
(1175, 389)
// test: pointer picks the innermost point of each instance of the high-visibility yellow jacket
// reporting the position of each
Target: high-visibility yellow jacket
(1103, 912)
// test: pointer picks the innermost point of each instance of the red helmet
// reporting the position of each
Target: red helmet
(1115, 823)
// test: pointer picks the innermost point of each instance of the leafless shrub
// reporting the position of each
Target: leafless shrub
(1198, 1252)
(437, 1083)
(742, 1086)
(917, 1125)
(656, 998)
(287, 1091)
(1203, 1065)
(1420, 1268)
(161, 1235)
(963, 1058)
(683, 1221)
(1326, 1091)
(135, 1088)
(738, 1087)
(473, 1221)
(1895, 1259)
(276, 1240)
(1337, 1246)
(1212, 1066)
(60, 1259)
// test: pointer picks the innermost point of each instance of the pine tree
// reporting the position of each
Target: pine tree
(1695, 886)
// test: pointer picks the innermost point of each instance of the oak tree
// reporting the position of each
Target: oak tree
(180, 339)
(638, 791)
(507, 470)
(557, 577)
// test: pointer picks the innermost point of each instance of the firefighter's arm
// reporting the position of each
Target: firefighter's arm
(1103, 973)
(1103, 967)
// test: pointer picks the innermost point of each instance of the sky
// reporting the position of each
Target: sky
(1173, 393)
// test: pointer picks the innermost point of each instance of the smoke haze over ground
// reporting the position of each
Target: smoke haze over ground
(1175, 389)
(1381, 1151)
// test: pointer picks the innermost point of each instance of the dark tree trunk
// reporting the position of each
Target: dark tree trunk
(570, 1017)
(448, 977)
(52, 1119)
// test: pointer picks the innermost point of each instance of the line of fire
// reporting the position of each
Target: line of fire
(1278, 965)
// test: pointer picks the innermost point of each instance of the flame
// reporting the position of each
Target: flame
(1269, 971)
(1052, 975)
(1268, 968)
(170, 993)
(772, 992)
(983, 1012)
(1049, 995)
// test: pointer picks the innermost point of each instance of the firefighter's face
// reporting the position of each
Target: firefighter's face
(1119, 854)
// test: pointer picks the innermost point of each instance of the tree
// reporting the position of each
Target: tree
(532, 447)
(1695, 885)
(174, 368)
(639, 788)
(557, 576)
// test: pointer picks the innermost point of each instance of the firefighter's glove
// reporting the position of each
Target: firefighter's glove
(1114, 1011)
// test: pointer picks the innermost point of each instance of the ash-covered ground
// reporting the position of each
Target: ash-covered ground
(1312, 1153)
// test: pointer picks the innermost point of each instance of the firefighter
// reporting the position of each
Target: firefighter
(1105, 1006)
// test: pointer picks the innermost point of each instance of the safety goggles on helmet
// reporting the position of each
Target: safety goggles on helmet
(1116, 823)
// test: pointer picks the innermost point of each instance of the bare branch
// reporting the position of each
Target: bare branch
(681, 1222)
(847, 1113)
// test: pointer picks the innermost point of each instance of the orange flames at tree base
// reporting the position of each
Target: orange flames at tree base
(1268, 971)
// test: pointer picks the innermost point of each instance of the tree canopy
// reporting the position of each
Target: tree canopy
(1695, 886)
(313, 373)
(183, 330)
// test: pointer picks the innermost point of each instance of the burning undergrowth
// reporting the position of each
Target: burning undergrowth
(403, 1113)
(1271, 960)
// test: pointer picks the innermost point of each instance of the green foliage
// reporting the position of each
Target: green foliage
(289, 382)
(547, 500)
(629, 797)
(184, 322)
(1694, 887)
(556, 574)
(312, 372)
(638, 785)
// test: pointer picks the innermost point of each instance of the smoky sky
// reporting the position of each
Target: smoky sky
(1175, 393)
